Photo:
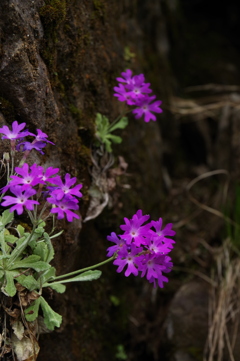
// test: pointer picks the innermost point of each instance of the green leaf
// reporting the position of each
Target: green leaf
(28, 282)
(60, 288)
(114, 138)
(37, 234)
(115, 300)
(31, 262)
(98, 120)
(49, 275)
(9, 289)
(41, 250)
(56, 235)
(121, 354)
(10, 238)
(2, 264)
(51, 318)
(3, 245)
(104, 130)
(123, 122)
(31, 313)
(6, 217)
(102, 124)
(85, 276)
(20, 230)
(50, 253)
(108, 145)
(21, 244)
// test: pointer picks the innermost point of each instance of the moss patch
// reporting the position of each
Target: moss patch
(53, 12)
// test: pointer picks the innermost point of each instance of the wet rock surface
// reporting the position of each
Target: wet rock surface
(187, 321)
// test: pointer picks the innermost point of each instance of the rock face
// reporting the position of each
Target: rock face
(23, 74)
(58, 64)
(187, 321)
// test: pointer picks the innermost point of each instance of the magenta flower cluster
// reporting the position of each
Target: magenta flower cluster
(135, 92)
(31, 184)
(143, 247)
(17, 134)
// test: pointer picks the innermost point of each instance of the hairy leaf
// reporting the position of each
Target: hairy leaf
(85, 276)
(29, 282)
(31, 262)
(20, 230)
(50, 253)
(6, 217)
(9, 289)
(31, 313)
(114, 138)
(60, 288)
(49, 274)
(51, 318)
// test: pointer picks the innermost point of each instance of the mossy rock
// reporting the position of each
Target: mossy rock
(54, 11)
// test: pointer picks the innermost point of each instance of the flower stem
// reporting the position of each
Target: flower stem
(85, 269)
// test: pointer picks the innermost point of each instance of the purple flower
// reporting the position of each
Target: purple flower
(21, 200)
(134, 91)
(64, 206)
(123, 95)
(166, 231)
(15, 133)
(151, 267)
(29, 146)
(157, 245)
(138, 88)
(28, 178)
(134, 231)
(120, 244)
(46, 175)
(126, 77)
(129, 259)
(142, 249)
(41, 137)
(166, 262)
(145, 108)
(64, 188)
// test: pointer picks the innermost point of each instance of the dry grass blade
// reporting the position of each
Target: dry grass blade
(225, 191)
(224, 306)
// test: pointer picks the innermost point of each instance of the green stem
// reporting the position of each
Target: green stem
(85, 269)
(42, 211)
(31, 218)
(12, 162)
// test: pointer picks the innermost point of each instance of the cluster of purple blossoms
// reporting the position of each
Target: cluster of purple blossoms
(30, 183)
(16, 136)
(134, 91)
(37, 181)
(143, 248)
